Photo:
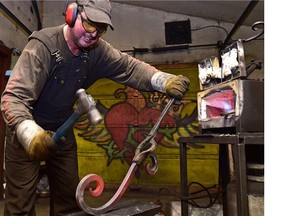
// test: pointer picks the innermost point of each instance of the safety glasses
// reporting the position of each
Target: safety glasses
(91, 27)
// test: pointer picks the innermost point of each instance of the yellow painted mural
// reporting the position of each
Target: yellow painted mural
(128, 115)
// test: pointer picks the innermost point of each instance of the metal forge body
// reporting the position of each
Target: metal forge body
(236, 106)
(230, 113)
(229, 102)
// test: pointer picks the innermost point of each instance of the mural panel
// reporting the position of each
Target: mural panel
(108, 148)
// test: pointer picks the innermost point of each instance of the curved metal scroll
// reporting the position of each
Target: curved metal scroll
(116, 197)
(255, 28)
(145, 149)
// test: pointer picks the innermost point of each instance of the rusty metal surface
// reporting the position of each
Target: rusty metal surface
(134, 207)
(128, 207)
(246, 138)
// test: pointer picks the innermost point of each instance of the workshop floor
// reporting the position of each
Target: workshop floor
(168, 200)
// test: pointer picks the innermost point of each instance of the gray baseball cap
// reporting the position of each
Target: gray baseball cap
(97, 10)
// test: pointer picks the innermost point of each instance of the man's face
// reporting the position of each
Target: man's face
(85, 32)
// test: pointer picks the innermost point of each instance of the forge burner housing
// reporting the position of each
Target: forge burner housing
(233, 106)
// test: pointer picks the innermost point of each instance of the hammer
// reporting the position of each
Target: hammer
(86, 104)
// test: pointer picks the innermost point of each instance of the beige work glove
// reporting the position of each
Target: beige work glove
(38, 143)
(170, 84)
(177, 86)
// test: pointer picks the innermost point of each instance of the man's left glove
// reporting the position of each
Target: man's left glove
(174, 86)
(38, 143)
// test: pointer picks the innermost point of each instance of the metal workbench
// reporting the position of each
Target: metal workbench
(238, 142)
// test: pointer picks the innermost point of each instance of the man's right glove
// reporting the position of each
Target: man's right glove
(177, 86)
(38, 143)
(174, 86)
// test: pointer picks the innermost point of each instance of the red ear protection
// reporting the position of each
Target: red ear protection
(71, 14)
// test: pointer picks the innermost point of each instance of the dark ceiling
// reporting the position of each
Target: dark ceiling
(227, 11)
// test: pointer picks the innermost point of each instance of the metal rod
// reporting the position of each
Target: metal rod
(241, 179)
(140, 156)
(167, 49)
(113, 201)
(183, 178)
(14, 18)
(35, 6)
(240, 21)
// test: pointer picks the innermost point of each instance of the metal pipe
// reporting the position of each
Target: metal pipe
(14, 18)
(168, 49)
(183, 179)
(35, 6)
(240, 21)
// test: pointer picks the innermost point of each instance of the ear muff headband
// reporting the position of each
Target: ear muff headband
(71, 14)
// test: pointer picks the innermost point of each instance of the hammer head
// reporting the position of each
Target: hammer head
(86, 104)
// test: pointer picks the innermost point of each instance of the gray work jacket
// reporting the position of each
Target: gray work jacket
(35, 65)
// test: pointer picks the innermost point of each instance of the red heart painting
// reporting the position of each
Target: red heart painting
(128, 127)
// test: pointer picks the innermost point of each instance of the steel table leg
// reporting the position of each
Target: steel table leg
(183, 179)
(241, 179)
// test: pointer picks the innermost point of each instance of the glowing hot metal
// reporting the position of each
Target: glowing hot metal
(145, 149)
